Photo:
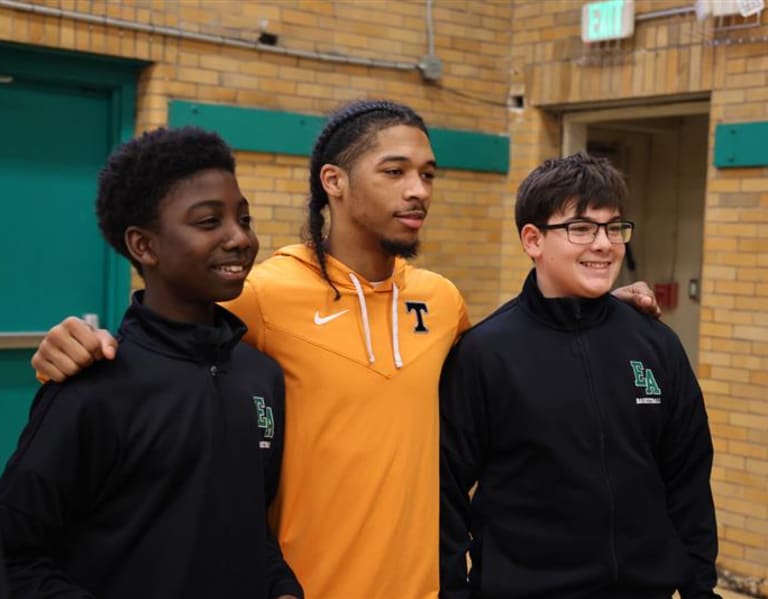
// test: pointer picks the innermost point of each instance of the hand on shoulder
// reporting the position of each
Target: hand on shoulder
(69, 347)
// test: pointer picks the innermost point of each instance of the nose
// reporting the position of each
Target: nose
(418, 187)
(239, 237)
(601, 240)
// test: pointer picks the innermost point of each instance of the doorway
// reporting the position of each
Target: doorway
(60, 115)
(662, 151)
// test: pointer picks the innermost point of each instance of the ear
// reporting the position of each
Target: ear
(334, 180)
(139, 243)
(531, 237)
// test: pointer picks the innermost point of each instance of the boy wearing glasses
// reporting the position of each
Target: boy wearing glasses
(580, 420)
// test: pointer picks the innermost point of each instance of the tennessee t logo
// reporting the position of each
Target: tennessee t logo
(418, 307)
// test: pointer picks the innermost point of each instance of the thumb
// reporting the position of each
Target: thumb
(108, 344)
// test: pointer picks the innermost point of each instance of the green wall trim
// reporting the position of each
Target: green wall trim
(116, 75)
(741, 144)
(259, 130)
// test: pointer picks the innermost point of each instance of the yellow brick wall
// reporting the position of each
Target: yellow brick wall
(471, 38)
(676, 58)
(489, 49)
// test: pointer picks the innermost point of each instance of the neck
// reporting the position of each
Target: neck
(370, 262)
(172, 309)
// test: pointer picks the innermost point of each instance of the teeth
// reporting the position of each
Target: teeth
(596, 264)
(231, 268)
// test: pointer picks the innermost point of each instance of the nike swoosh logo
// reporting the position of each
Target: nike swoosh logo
(320, 320)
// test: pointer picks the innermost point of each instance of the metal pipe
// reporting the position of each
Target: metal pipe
(669, 12)
(204, 37)
(430, 30)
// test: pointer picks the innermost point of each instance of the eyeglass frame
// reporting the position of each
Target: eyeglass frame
(567, 224)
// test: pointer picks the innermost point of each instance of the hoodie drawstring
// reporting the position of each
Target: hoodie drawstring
(364, 314)
(367, 328)
(395, 328)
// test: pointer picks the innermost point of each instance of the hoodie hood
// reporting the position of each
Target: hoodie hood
(347, 281)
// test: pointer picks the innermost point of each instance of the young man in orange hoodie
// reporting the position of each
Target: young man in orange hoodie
(361, 336)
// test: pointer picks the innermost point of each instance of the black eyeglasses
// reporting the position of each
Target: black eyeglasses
(584, 232)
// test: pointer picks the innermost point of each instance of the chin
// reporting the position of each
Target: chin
(229, 294)
(401, 249)
(595, 290)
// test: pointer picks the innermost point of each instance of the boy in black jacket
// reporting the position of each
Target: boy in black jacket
(580, 420)
(148, 476)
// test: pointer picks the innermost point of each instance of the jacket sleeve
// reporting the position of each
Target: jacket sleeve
(281, 579)
(62, 457)
(463, 442)
(686, 464)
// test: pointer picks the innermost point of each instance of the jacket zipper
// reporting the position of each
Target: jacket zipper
(603, 458)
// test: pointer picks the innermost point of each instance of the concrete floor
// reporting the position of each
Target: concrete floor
(726, 594)
(730, 594)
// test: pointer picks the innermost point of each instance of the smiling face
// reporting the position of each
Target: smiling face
(381, 201)
(566, 269)
(200, 249)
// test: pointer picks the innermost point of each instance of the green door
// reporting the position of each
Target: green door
(56, 134)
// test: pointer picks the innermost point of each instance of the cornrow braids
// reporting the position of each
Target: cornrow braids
(348, 133)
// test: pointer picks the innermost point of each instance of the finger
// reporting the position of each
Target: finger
(74, 330)
(641, 288)
(63, 349)
(108, 344)
(58, 368)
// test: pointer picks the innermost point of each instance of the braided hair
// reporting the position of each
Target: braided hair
(349, 132)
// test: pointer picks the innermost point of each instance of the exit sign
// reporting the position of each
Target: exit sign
(607, 20)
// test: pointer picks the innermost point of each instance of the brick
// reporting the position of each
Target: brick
(488, 49)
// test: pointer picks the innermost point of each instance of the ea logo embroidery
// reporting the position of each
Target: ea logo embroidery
(645, 380)
(420, 308)
(266, 420)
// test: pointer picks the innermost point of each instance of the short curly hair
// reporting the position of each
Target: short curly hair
(141, 172)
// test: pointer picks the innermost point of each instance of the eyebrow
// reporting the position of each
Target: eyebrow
(579, 219)
(213, 203)
(398, 158)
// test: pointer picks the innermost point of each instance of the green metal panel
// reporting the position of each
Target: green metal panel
(251, 129)
(741, 144)
(258, 130)
(470, 151)
(60, 115)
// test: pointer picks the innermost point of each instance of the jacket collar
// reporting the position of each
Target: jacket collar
(181, 340)
(563, 313)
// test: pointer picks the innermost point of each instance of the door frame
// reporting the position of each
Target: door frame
(575, 123)
(116, 76)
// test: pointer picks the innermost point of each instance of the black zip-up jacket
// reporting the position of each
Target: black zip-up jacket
(148, 476)
(4, 593)
(585, 428)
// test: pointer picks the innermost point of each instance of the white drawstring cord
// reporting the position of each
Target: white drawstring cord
(395, 336)
(364, 314)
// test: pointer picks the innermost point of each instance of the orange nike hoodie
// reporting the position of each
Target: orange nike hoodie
(357, 507)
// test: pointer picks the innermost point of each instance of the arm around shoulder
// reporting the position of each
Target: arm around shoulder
(69, 347)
